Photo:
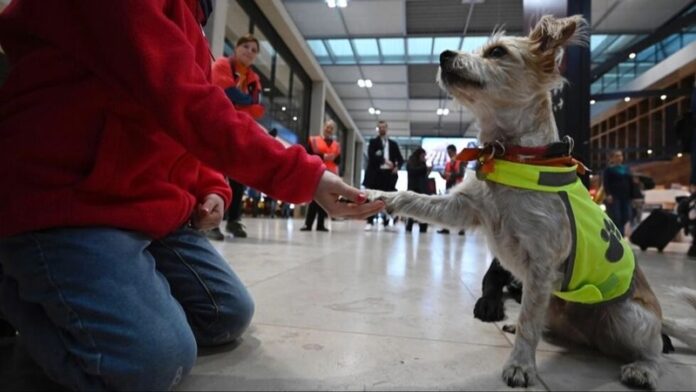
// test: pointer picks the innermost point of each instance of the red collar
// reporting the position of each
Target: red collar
(554, 154)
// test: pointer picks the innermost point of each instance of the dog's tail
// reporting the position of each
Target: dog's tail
(682, 329)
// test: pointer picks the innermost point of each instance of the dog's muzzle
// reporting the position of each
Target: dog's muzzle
(450, 75)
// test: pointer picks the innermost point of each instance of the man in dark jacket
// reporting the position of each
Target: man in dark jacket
(383, 162)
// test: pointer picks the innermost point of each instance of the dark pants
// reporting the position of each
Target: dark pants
(619, 212)
(385, 181)
(423, 227)
(234, 213)
(108, 309)
(313, 211)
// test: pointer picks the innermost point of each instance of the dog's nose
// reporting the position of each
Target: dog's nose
(447, 56)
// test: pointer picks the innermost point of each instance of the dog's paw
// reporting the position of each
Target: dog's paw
(638, 375)
(519, 375)
(489, 309)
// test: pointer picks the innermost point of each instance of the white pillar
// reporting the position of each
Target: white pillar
(215, 28)
(349, 156)
(316, 111)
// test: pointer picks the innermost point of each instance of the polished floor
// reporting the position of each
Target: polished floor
(355, 310)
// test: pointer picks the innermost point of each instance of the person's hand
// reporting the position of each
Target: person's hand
(327, 196)
(208, 215)
(389, 163)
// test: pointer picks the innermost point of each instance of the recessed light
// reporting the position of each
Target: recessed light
(649, 152)
(680, 155)
(377, 111)
(361, 83)
(368, 83)
(631, 55)
(371, 110)
(283, 108)
(445, 111)
(592, 102)
(294, 118)
(663, 97)
(627, 99)
(342, 3)
(331, 3)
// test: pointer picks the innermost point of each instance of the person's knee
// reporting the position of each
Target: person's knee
(157, 359)
(234, 315)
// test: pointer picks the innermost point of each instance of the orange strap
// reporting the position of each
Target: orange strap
(486, 155)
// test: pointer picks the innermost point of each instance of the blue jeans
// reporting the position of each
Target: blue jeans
(103, 308)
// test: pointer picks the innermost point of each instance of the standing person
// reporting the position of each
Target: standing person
(618, 183)
(418, 172)
(113, 155)
(330, 152)
(383, 162)
(453, 175)
(243, 87)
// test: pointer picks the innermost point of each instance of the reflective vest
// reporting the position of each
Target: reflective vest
(601, 264)
(320, 147)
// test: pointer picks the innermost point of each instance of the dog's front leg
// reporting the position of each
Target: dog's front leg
(520, 368)
(455, 210)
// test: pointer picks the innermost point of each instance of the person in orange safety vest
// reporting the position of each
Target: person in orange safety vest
(330, 152)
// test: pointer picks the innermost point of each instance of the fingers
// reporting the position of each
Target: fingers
(352, 210)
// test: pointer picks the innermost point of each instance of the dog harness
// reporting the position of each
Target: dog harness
(601, 264)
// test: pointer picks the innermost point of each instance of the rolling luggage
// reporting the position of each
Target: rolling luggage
(657, 230)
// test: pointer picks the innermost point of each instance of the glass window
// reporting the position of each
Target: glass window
(264, 60)
(319, 49)
(341, 50)
(446, 43)
(393, 49)
(367, 49)
(471, 44)
(419, 49)
(281, 92)
(297, 103)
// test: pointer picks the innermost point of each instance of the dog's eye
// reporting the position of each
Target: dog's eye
(497, 52)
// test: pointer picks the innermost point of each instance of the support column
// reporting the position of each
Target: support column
(573, 118)
(215, 28)
(316, 111)
(349, 156)
(357, 162)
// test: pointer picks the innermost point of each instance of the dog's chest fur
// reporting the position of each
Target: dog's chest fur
(523, 226)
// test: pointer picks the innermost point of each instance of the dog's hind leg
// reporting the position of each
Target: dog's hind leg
(454, 210)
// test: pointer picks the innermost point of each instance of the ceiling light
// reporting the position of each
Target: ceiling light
(377, 111)
(445, 111)
(442, 111)
(361, 83)
(371, 110)
(627, 99)
(342, 3)
(592, 101)
(631, 55)
(679, 155)
(368, 83)
(649, 151)
(294, 118)
(266, 89)
(439, 111)
(663, 97)
(283, 108)
(331, 3)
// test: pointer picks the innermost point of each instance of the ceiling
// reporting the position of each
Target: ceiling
(404, 88)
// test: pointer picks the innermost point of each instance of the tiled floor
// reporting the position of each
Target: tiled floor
(352, 310)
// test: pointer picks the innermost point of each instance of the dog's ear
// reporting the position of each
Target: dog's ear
(550, 35)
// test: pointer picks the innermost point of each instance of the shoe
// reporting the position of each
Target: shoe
(322, 229)
(236, 228)
(215, 235)
(369, 227)
(461, 232)
(443, 231)
(692, 251)
(305, 228)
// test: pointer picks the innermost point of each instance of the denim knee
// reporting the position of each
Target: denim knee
(157, 359)
(233, 318)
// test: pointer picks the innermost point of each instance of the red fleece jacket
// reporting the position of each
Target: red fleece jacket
(108, 118)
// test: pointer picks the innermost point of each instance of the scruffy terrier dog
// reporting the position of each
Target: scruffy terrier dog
(578, 275)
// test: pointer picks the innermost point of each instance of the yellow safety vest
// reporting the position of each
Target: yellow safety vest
(601, 264)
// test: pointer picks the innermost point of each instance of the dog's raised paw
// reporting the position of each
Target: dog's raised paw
(638, 375)
(489, 309)
(516, 375)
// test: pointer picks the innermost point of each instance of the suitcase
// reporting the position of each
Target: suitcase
(657, 230)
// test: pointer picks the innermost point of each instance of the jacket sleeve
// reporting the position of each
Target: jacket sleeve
(210, 181)
(399, 160)
(141, 53)
(374, 160)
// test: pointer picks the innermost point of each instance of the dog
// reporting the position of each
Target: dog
(530, 226)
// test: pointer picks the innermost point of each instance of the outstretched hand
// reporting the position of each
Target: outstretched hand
(331, 187)
(208, 214)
